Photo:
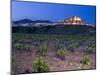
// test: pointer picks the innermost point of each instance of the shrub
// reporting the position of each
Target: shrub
(18, 46)
(13, 60)
(44, 50)
(62, 53)
(39, 65)
(72, 46)
(86, 60)
(57, 46)
(28, 48)
(89, 50)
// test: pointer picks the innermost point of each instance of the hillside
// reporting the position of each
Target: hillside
(58, 29)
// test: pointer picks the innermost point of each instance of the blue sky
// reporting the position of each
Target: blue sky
(52, 12)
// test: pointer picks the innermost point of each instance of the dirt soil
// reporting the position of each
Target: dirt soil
(24, 61)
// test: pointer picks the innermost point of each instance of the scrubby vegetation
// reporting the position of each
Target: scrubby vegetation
(61, 53)
(52, 52)
(40, 65)
(13, 60)
(86, 60)
(44, 50)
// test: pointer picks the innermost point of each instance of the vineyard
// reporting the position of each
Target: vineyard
(36, 53)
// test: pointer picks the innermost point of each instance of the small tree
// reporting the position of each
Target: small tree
(39, 65)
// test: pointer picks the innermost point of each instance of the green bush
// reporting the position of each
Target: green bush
(18, 46)
(86, 60)
(89, 50)
(72, 46)
(13, 60)
(28, 48)
(62, 53)
(57, 46)
(39, 65)
(44, 50)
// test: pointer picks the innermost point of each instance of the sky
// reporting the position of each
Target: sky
(52, 11)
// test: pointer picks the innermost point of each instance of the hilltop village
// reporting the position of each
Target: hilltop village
(74, 20)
